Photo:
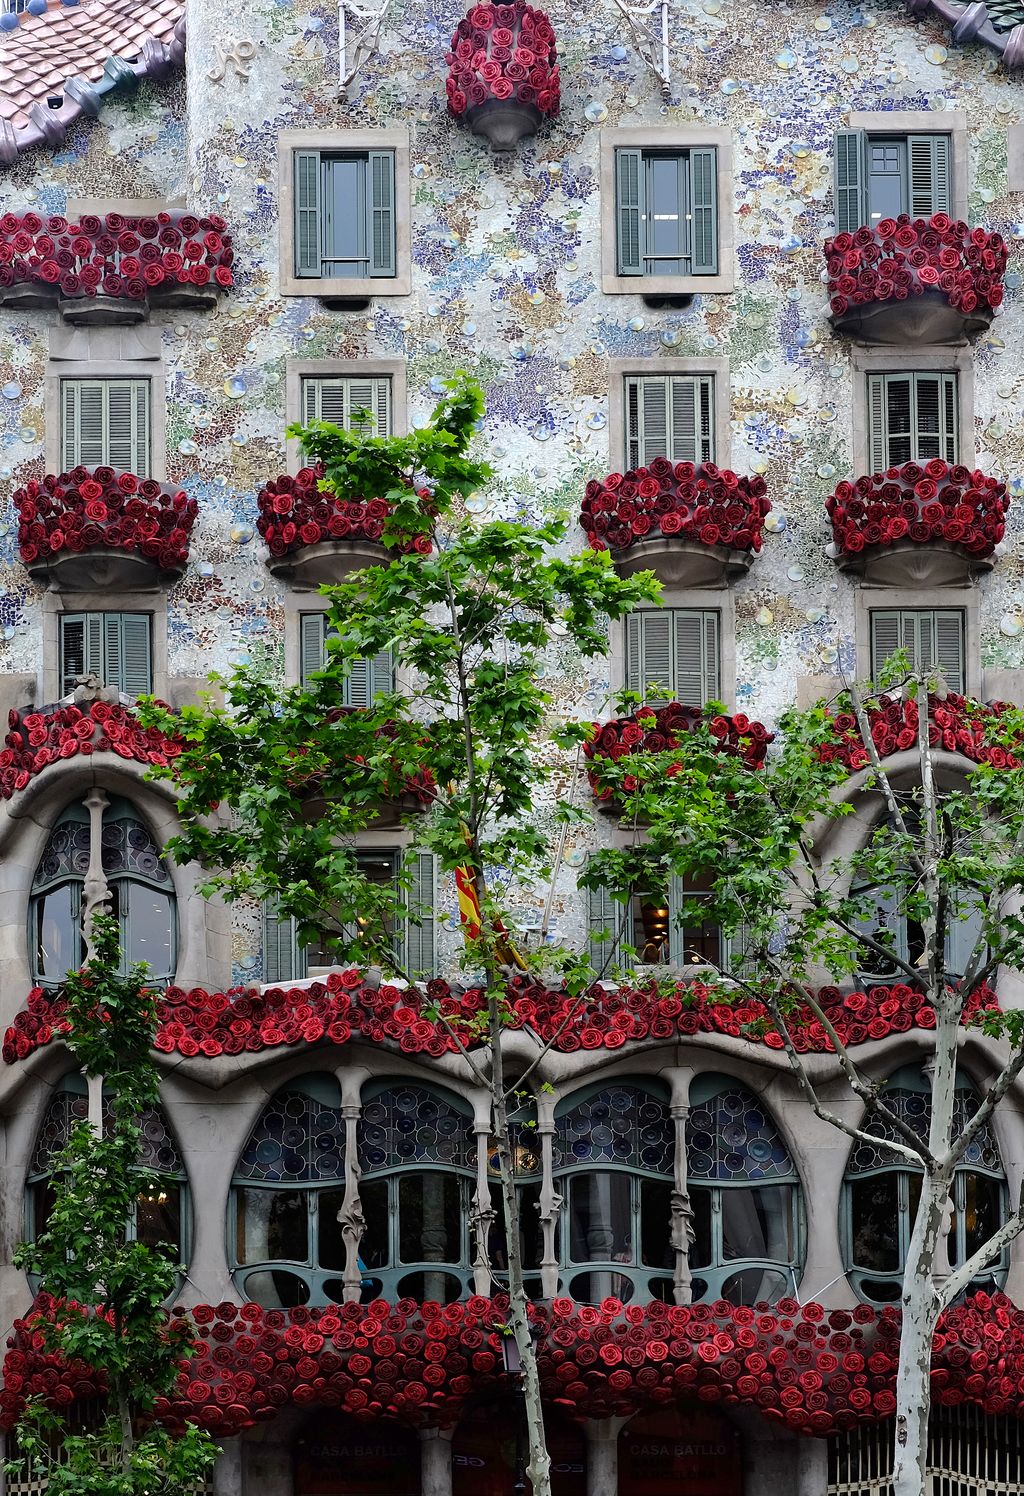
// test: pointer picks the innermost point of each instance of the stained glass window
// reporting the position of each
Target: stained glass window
(621, 1125)
(411, 1125)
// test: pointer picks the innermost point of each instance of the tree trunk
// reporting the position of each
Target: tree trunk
(920, 1316)
(539, 1468)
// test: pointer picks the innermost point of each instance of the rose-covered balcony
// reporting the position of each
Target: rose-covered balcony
(626, 741)
(915, 525)
(95, 530)
(691, 525)
(955, 725)
(113, 270)
(36, 739)
(502, 72)
(915, 281)
(316, 538)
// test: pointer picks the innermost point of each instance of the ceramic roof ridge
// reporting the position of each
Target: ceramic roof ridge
(973, 23)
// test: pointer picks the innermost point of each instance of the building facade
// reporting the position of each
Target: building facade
(207, 233)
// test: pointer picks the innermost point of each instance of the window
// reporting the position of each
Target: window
(333, 397)
(669, 415)
(933, 638)
(289, 1190)
(656, 930)
(105, 423)
(613, 1165)
(417, 1161)
(160, 1215)
(284, 960)
(667, 211)
(527, 1168)
(912, 418)
(138, 887)
(882, 1193)
(344, 214)
(366, 678)
(744, 1193)
(883, 175)
(673, 654)
(116, 647)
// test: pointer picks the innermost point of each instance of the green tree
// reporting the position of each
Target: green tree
(108, 1291)
(925, 891)
(468, 626)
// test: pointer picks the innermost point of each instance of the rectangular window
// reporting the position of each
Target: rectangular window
(933, 638)
(333, 397)
(105, 423)
(669, 415)
(654, 929)
(673, 654)
(912, 418)
(344, 214)
(879, 175)
(667, 211)
(284, 960)
(116, 647)
(366, 679)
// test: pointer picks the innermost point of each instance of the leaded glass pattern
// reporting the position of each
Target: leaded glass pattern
(411, 1125)
(127, 847)
(621, 1125)
(914, 1110)
(158, 1150)
(732, 1138)
(297, 1139)
(66, 854)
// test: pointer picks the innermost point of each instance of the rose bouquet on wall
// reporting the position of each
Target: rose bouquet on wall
(503, 55)
(955, 724)
(704, 503)
(919, 503)
(651, 730)
(297, 512)
(116, 256)
(99, 508)
(903, 257)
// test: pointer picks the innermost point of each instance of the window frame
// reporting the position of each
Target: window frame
(906, 607)
(715, 369)
(110, 353)
(633, 624)
(945, 381)
(344, 142)
(670, 140)
(700, 599)
(903, 122)
(66, 617)
(868, 600)
(55, 605)
(878, 360)
(299, 369)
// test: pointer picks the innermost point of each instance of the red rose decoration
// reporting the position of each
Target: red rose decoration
(514, 58)
(706, 504)
(95, 509)
(948, 502)
(964, 265)
(296, 512)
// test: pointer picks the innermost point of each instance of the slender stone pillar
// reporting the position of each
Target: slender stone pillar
(602, 1436)
(550, 1199)
(812, 1468)
(682, 1212)
(227, 1473)
(436, 1461)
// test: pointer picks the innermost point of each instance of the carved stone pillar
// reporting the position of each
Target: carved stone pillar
(227, 1472)
(482, 1217)
(350, 1216)
(436, 1461)
(682, 1212)
(550, 1199)
(94, 1090)
(95, 891)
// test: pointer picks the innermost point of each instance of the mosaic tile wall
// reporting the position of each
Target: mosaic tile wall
(506, 284)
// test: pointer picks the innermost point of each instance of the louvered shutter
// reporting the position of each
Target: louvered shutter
(634, 657)
(703, 211)
(419, 956)
(380, 211)
(696, 672)
(136, 654)
(676, 931)
(368, 677)
(113, 653)
(653, 655)
(81, 648)
(312, 652)
(83, 423)
(737, 957)
(950, 417)
(361, 395)
(333, 398)
(629, 211)
(878, 423)
(684, 440)
(886, 638)
(605, 913)
(850, 181)
(308, 224)
(928, 418)
(382, 674)
(654, 419)
(948, 649)
(127, 421)
(929, 160)
(282, 959)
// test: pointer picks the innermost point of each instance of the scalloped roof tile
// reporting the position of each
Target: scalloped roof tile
(74, 54)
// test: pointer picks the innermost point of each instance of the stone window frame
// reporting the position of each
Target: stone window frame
(654, 137)
(296, 603)
(720, 599)
(868, 598)
(620, 369)
(297, 369)
(129, 207)
(951, 122)
(107, 353)
(354, 287)
(153, 603)
(946, 358)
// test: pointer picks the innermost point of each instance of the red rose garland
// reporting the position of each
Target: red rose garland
(115, 255)
(934, 501)
(98, 507)
(814, 1369)
(709, 504)
(651, 730)
(955, 724)
(341, 1010)
(503, 52)
(296, 512)
(37, 739)
(903, 257)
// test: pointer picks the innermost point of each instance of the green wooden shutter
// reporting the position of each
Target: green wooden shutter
(312, 400)
(113, 652)
(283, 961)
(653, 415)
(696, 675)
(676, 931)
(419, 956)
(929, 166)
(81, 647)
(691, 410)
(333, 398)
(367, 678)
(649, 653)
(382, 674)
(703, 211)
(886, 637)
(934, 417)
(105, 422)
(850, 181)
(948, 647)
(737, 957)
(136, 677)
(605, 913)
(634, 644)
(949, 416)
(312, 650)
(878, 423)
(380, 211)
(629, 211)
(308, 224)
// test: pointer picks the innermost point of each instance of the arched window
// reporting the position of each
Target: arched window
(161, 1209)
(288, 1192)
(417, 1159)
(141, 895)
(882, 1193)
(613, 1157)
(744, 1193)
